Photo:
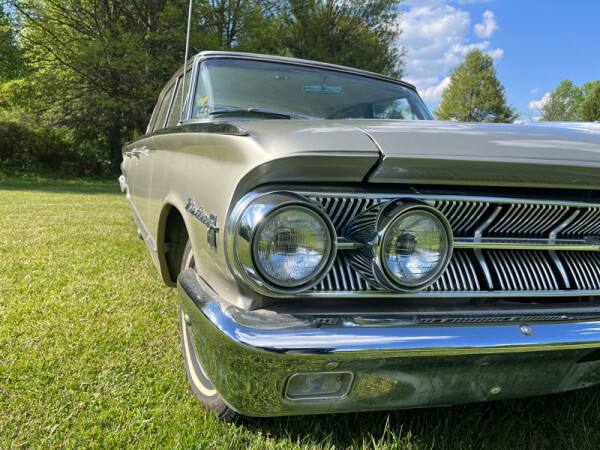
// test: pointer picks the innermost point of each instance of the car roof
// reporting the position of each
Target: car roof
(297, 61)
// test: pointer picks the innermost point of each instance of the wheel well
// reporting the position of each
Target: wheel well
(174, 239)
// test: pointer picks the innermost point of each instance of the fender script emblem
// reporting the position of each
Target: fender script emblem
(209, 221)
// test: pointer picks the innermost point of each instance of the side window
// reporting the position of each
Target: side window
(176, 110)
(202, 97)
(153, 117)
(164, 109)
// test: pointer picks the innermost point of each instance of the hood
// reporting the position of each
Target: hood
(432, 152)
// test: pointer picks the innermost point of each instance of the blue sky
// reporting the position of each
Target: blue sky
(535, 44)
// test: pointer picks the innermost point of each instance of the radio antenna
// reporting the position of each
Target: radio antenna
(187, 50)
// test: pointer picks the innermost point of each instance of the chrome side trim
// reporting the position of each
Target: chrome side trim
(432, 198)
(146, 235)
(527, 244)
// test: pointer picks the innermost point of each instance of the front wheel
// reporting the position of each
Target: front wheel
(199, 383)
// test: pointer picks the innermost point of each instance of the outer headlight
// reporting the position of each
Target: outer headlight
(280, 243)
(291, 246)
(415, 248)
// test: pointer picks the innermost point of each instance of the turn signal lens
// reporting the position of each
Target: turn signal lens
(318, 385)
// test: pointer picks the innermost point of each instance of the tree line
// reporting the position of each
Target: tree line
(569, 102)
(79, 78)
(82, 76)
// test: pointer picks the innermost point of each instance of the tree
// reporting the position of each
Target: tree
(590, 106)
(564, 103)
(475, 94)
(357, 33)
(98, 65)
(10, 52)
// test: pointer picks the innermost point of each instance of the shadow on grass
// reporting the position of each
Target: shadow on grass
(66, 186)
(567, 420)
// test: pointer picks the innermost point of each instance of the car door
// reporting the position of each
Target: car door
(139, 164)
(164, 145)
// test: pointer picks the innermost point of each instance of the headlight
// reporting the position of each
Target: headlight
(291, 246)
(406, 245)
(280, 243)
(415, 248)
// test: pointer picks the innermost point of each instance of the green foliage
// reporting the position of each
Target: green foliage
(590, 106)
(98, 66)
(564, 104)
(475, 94)
(358, 33)
(30, 146)
(12, 62)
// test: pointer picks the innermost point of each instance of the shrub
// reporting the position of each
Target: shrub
(30, 147)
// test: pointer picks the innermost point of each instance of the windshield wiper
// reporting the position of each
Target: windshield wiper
(264, 112)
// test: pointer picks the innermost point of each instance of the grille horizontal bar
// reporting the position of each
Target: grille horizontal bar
(560, 267)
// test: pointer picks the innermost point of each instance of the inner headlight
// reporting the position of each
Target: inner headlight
(280, 242)
(415, 248)
(291, 246)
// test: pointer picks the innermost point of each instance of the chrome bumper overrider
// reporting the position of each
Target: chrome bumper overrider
(249, 357)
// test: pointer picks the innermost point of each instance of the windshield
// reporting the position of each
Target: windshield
(230, 84)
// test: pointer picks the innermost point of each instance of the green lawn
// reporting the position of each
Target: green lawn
(90, 353)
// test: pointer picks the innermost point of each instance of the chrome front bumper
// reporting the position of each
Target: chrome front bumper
(395, 363)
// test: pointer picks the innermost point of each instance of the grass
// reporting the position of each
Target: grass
(90, 353)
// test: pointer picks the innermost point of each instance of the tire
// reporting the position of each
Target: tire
(199, 383)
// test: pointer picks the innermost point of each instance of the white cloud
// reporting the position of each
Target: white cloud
(436, 36)
(537, 105)
(433, 93)
(486, 29)
(535, 90)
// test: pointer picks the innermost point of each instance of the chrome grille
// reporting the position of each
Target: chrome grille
(584, 268)
(459, 276)
(522, 270)
(527, 220)
(342, 210)
(585, 223)
(508, 247)
(342, 277)
(461, 215)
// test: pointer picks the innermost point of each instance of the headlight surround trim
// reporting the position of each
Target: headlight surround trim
(389, 215)
(246, 220)
(260, 228)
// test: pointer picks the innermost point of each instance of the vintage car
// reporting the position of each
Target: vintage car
(335, 249)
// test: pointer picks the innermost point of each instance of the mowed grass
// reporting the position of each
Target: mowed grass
(90, 353)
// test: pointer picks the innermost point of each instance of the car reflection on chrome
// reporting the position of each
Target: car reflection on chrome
(335, 249)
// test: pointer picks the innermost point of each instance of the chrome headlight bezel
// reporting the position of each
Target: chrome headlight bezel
(370, 228)
(246, 221)
(389, 216)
